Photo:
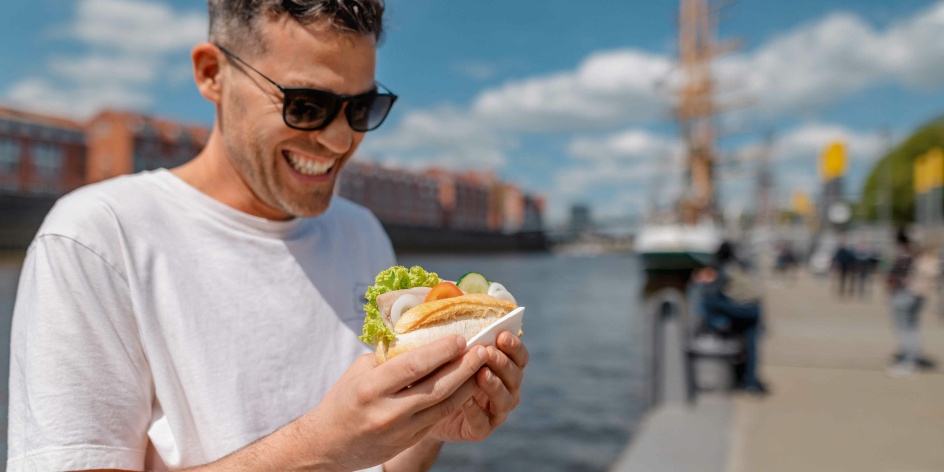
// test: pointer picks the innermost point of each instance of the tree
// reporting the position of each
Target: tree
(897, 166)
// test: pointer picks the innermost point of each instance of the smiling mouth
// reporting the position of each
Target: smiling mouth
(306, 166)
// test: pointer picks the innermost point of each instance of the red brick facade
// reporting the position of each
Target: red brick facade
(49, 156)
(440, 198)
(126, 143)
(40, 155)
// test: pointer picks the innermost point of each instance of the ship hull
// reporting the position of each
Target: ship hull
(406, 238)
(20, 218)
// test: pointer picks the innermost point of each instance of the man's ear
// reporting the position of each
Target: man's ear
(207, 72)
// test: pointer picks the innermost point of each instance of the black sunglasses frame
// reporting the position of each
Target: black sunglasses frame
(289, 93)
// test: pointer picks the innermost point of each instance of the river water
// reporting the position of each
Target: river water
(585, 389)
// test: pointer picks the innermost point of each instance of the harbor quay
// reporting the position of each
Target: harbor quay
(832, 407)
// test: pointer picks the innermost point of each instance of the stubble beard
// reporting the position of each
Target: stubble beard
(260, 169)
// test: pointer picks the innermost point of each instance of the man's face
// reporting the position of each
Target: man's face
(292, 172)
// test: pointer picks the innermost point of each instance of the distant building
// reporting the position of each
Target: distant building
(45, 156)
(40, 155)
(580, 218)
(533, 213)
(125, 143)
(392, 195)
(437, 198)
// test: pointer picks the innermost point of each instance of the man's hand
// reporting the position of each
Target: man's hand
(375, 412)
(371, 414)
(498, 392)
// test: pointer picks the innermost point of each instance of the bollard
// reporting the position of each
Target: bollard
(670, 372)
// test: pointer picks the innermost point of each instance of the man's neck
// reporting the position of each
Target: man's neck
(212, 173)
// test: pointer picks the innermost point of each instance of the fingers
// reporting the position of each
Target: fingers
(408, 368)
(478, 425)
(439, 410)
(513, 348)
(445, 381)
(501, 380)
(499, 401)
(504, 367)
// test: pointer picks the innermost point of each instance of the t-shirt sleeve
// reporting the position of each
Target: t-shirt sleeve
(80, 387)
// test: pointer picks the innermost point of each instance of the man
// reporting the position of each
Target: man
(732, 303)
(912, 279)
(207, 317)
(844, 264)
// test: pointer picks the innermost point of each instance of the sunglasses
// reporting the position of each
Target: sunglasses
(309, 109)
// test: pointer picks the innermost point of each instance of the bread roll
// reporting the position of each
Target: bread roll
(466, 315)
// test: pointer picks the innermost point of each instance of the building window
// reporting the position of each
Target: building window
(147, 153)
(47, 159)
(9, 155)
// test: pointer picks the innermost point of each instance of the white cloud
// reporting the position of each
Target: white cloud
(807, 142)
(103, 69)
(79, 100)
(606, 91)
(797, 72)
(636, 168)
(632, 144)
(794, 162)
(821, 62)
(630, 168)
(129, 45)
(138, 26)
(441, 136)
(801, 70)
(634, 157)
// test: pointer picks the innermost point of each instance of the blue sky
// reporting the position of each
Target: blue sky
(555, 95)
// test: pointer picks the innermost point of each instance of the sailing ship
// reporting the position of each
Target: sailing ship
(687, 237)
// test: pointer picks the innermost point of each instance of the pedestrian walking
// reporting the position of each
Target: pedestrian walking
(911, 280)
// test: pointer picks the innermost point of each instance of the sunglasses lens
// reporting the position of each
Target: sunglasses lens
(309, 110)
(367, 112)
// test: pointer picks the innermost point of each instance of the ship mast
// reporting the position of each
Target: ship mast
(697, 108)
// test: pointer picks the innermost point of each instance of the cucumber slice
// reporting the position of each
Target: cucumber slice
(473, 282)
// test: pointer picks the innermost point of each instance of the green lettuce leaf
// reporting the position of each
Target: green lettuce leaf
(392, 279)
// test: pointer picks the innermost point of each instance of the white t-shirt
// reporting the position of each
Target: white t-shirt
(157, 327)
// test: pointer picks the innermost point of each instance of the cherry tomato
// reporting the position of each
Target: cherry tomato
(443, 290)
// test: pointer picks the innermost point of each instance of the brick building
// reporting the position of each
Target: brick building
(437, 198)
(40, 155)
(125, 143)
(392, 195)
(44, 157)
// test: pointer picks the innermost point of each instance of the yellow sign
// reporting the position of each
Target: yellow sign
(802, 204)
(833, 161)
(921, 180)
(934, 162)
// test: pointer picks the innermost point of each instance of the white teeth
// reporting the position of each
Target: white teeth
(308, 167)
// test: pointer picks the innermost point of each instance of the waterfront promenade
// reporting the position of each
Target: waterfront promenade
(832, 407)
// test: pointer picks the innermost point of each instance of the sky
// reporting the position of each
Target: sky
(570, 100)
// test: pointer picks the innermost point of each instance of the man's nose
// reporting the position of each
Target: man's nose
(338, 136)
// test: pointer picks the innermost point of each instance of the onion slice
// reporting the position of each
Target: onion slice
(499, 291)
(403, 304)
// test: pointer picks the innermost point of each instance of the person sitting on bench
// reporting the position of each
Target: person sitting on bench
(732, 303)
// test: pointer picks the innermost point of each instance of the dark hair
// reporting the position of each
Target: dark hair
(725, 253)
(235, 22)
(901, 237)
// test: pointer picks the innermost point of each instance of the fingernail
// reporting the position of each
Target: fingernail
(489, 377)
(460, 341)
(482, 353)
